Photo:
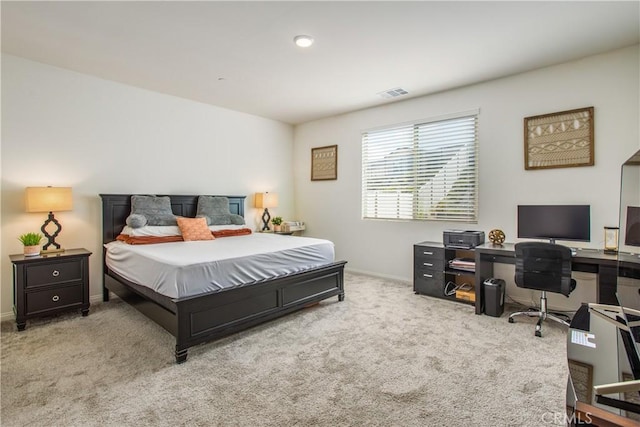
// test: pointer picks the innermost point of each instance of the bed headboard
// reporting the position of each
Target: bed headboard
(117, 207)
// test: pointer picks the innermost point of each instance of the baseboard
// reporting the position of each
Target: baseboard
(381, 276)
(93, 300)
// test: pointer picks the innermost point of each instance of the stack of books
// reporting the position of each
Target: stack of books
(292, 226)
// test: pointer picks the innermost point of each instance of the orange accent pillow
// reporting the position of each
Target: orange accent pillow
(194, 229)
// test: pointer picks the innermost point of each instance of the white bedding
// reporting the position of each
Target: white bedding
(170, 230)
(182, 269)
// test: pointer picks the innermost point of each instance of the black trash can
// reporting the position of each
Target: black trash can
(494, 290)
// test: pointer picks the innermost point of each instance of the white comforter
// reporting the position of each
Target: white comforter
(182, 269)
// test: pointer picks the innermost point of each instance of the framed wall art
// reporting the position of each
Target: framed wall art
(324, 163)
(631, 396)
(559, 140)
(582, 379)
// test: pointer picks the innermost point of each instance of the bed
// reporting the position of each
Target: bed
(213, 314)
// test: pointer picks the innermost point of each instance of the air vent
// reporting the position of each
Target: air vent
(392, 93)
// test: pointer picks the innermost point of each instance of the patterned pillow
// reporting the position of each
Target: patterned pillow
(194, 229)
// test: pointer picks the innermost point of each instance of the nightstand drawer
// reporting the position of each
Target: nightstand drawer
(48, 274)
(52, 299)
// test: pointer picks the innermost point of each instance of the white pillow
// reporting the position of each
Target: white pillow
(152, 230)
(171, 230)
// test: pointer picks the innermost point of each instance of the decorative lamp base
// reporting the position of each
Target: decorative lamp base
(51, 251)
(51, 238)
(265, 220)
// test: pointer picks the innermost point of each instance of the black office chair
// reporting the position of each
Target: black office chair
(545, 267)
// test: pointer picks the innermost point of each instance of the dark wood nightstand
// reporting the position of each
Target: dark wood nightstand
(48, 284)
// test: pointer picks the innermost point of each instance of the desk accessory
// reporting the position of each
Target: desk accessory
(496, 236)
(611, 240)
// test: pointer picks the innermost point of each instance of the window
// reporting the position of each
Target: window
(423, 171)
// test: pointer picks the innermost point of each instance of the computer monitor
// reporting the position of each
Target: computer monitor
(632, 232)
(555, 222)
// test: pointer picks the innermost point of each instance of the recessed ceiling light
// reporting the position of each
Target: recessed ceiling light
(303, 41)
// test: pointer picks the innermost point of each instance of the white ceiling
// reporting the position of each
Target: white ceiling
(241, 56)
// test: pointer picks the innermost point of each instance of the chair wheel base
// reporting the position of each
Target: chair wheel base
(511, 320)
(539, 334)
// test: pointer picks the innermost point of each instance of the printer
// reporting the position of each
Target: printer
(462, 239)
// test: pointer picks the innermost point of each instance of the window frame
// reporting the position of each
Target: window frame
(419, 163)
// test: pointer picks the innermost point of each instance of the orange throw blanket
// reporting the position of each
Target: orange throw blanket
(147, 240)
(231, 232)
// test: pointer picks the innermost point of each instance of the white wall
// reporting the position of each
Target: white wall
(63, 128)
(609, 82)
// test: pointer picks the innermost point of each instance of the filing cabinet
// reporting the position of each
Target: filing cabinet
(435, 272)
(428, 269)
(51, 283)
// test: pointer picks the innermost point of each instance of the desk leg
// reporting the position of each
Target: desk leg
(484, 271)
(607, 285)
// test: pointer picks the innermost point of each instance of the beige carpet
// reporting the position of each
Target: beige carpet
(384, 356)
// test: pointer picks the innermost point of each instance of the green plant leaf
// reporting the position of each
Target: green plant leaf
(30, 239)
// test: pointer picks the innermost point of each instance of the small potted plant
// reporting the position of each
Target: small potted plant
(31, 242)
(277, 223)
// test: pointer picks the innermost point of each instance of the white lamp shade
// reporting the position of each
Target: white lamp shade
(48, 199)
(266, 200)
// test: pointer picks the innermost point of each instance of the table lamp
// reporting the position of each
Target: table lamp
(266, 201)
(49, 199)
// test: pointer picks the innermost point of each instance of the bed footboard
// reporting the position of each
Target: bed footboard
(214, 316)
(208, 317)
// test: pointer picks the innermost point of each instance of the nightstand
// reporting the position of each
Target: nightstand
(51, 283)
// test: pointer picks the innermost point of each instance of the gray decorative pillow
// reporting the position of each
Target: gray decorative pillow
(216, 211)
(150, 210)
(136, 220)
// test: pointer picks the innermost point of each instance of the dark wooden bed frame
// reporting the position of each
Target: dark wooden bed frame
(209, 316)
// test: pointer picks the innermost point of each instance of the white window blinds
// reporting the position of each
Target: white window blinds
(423, 171)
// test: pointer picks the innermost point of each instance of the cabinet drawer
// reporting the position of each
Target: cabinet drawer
(422, 264)
(49, 274)
(430, 276)
(428, 253)
(429, 286)
(54, 298)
